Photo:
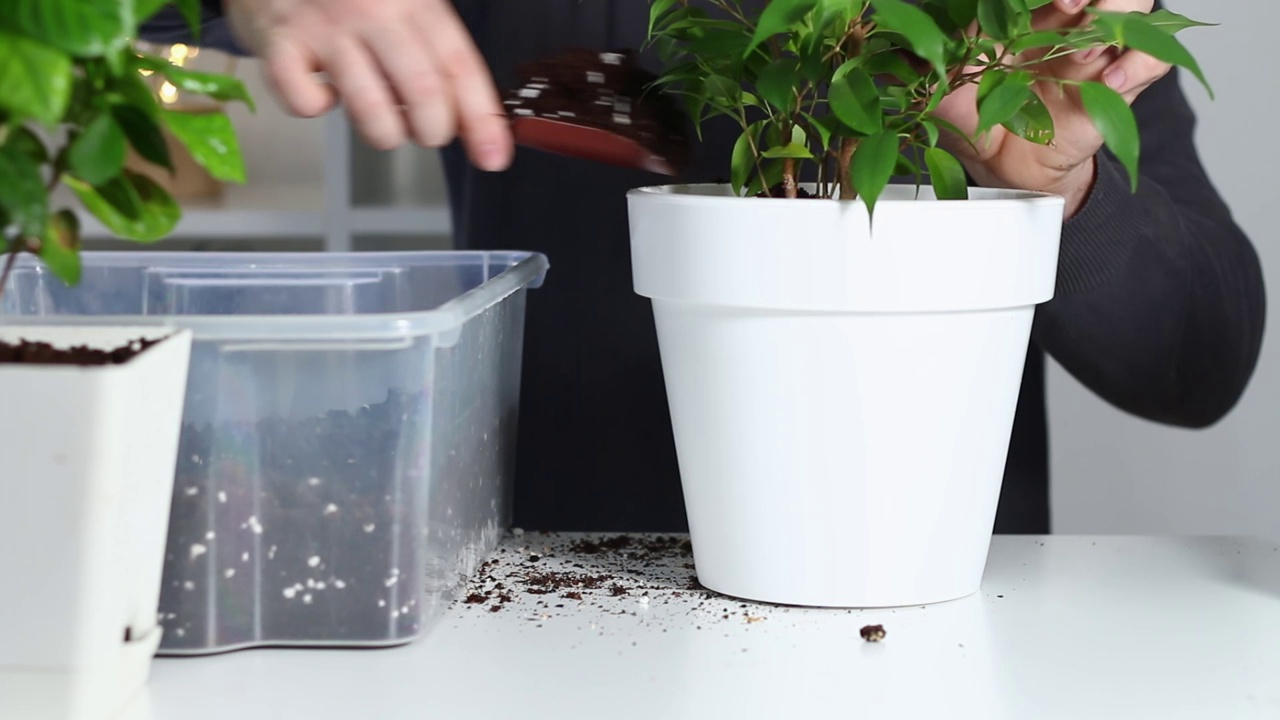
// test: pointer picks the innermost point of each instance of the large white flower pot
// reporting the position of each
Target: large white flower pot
(842, 397)
(87, 458)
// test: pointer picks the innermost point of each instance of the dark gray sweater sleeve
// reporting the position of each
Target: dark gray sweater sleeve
(1160, 303)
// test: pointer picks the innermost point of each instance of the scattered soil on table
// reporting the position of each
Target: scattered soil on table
(620, 566)
(612, 576)
(41, 353)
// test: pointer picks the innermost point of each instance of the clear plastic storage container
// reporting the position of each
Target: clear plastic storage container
(347, 451)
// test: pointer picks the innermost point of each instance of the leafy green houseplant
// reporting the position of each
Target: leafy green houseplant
(72, 101)
(843, 392)
(90, 467)
(849, 89)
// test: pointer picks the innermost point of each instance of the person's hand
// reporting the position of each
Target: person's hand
(1066, 167)
(402, 68)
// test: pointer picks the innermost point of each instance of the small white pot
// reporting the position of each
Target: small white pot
(842, 398)
(87, 458)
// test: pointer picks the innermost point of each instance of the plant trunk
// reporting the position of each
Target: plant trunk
(789, 186)
(847, 190)
(8, 267)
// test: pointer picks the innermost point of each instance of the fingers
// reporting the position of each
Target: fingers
(1133, 73)
(290, 66)
(481, 120)
(365, 93)
(416, 78)
(404, 69)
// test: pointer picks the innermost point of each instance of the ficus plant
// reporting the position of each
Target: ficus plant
(846, 92)
(73, 99)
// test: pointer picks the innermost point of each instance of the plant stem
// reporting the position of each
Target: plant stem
(843, 162)
(789, 186)
(8, 266)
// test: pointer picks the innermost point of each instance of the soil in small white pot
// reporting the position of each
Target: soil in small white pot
(26, 352)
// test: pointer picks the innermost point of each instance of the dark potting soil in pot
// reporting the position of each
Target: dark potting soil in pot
(299, 530)
(581, 90)
(41, 353)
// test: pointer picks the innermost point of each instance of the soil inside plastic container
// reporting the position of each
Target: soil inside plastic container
(298, 530)
(27, 352)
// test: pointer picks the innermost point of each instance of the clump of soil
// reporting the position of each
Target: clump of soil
(42, 353)
(639, 549)
(872, 633)
(604, 91)
(778, 191)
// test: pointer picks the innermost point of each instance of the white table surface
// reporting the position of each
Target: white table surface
(1064, 627)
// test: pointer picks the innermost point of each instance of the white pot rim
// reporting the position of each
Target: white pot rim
(901, 194)
(702, 244)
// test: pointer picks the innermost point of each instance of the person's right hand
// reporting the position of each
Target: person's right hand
(402, 68)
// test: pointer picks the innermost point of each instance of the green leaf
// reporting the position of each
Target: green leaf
(97, 154)
(904, 166)
(657, 9)
(946, 174)
(152, 216)
(872, 166)
(1037, 40)
(60, 246)
(1115, 121)
(771, 176)
(923, 35)
(1032, 122)
(743, 160)
(790, 150)
(996, 18)
(1136, 33)
(931, 131)
(135, 92)
(1001, 102)
(22, 192)
(717, 42)
(777, 83)
(25, 142)
(218, 87)
(821, 127)
(1171, 22)
(963, 12)
(144, 135)
(35, 79)
(777, 17)
(211, 140)
(855, 100)
(721, 90)
(84, 28)
(891, 64)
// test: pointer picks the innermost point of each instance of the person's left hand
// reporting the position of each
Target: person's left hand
(1066, 167)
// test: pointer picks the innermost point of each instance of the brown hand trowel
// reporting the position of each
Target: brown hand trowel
(594, 106)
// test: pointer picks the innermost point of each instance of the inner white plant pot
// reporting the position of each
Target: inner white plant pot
(842, 397)
(87, 457)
